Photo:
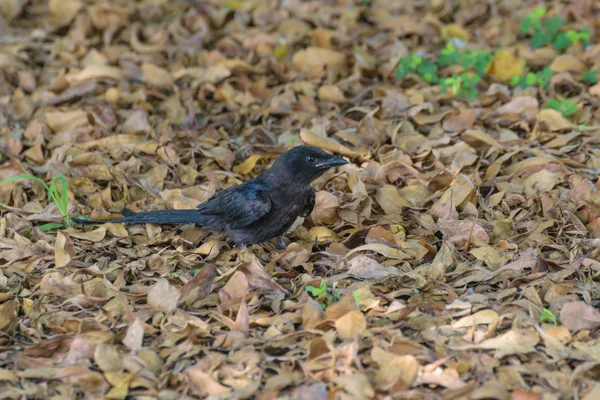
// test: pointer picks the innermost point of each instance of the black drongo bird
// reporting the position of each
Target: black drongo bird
(257, 210)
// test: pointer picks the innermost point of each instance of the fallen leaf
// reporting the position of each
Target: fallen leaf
(135, 335)
(351, 325)
(505, 65)
(163, 297)
(64, 250)
(578, 315)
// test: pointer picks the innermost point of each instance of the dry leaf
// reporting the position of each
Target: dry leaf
(578, 315)
(351, 325)
(163, 297)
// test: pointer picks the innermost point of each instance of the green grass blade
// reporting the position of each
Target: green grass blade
(25, 176)
(50, 225)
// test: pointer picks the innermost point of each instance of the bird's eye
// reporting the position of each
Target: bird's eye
(310, 159)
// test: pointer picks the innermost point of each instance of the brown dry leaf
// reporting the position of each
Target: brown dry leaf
(524, 105)
(325, 209)
(543, 181)
(8, 315)
(326, 143)
(63, 11)
(484, 317)
(397, 374)
(351, 325)
(203, 384)
(390, 200)
(137, 122)
(156, 76)
(94, 71)
(331, 93)
(64, 250)
(515, 341)
(316, 58)
(312, 314)
(554, 120)
(64, 121)
(363, 267)
(578, 315)
(199, 286)
(464, 120)
(462, 232)
(163, 297)
(568, 63)
(135, 335)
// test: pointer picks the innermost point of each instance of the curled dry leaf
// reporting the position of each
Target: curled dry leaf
(326, 143)
(64, 250)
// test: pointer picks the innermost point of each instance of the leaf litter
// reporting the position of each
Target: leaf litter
(457, 255)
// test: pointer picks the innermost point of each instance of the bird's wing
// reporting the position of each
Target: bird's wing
(238, 206)
(309, 203)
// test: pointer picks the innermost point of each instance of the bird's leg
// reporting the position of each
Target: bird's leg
(281, 242)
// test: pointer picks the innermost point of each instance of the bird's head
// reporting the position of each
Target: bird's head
(304, 164)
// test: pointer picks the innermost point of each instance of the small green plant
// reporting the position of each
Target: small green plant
(463, 85)
(533, 21)
(590, 77)
(564, 106)
(325, 295)
(547, 316)
(476, 60)
(449, 55)
(417, 65)
(58, 192)
(531, 79)
(545, 31)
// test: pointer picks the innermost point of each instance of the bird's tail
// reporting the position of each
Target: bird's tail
(166, 217)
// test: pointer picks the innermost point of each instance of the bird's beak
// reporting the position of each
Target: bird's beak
(332, 161)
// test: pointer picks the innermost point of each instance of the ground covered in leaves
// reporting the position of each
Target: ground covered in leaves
(456, 256)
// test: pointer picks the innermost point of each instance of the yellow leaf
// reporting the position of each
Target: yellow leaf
(505, 65)
(247, 166)
(455, 31)
(321, 233)
(120, 390)
(382, 249)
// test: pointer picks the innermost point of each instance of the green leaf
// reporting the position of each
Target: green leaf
(590, 77)
(515, 80)
(25, 176)
(547, 316)
(538, 13)
(564, 106)
(50, 225)
(561, 42)
(531, 79)
(449, 55)
(540, 39)
(553, 25)
(526, 25)
(316, 292)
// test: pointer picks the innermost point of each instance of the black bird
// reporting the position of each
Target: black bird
(260, 209)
